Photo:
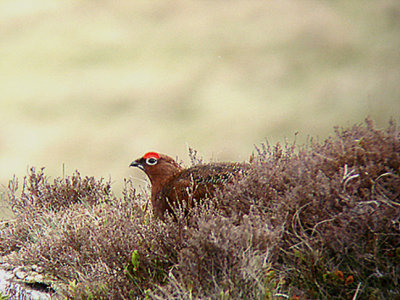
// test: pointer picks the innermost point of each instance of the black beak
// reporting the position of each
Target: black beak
(136, 164)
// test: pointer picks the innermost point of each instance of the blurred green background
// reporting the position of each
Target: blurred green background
(92, 85)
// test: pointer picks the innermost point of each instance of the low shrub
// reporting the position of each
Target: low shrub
(317, 221)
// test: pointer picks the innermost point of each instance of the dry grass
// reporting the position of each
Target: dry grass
(316, 222)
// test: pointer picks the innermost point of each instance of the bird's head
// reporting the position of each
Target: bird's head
(158, 167)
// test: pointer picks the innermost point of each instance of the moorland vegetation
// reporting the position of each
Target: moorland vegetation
(317, 221)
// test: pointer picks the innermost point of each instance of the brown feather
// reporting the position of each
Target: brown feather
(171, 184)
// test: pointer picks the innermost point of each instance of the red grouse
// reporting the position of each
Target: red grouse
(172, 184)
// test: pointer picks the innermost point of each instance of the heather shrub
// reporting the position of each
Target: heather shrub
(40, 202)
(319, 221)
(38, 192)
(101, 248)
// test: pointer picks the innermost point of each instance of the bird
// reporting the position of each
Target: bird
(173, 185)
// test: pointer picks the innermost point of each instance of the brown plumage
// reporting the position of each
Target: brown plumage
(172, 184)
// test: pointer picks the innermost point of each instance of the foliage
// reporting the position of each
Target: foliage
(312, 222)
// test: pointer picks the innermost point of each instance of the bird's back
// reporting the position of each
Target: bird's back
(198, 182)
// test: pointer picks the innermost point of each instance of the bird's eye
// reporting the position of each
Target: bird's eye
(151, 161)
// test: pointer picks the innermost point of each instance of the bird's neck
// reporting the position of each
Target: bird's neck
(159, 178)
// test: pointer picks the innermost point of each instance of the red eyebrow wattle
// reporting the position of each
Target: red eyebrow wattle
(152, 154)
